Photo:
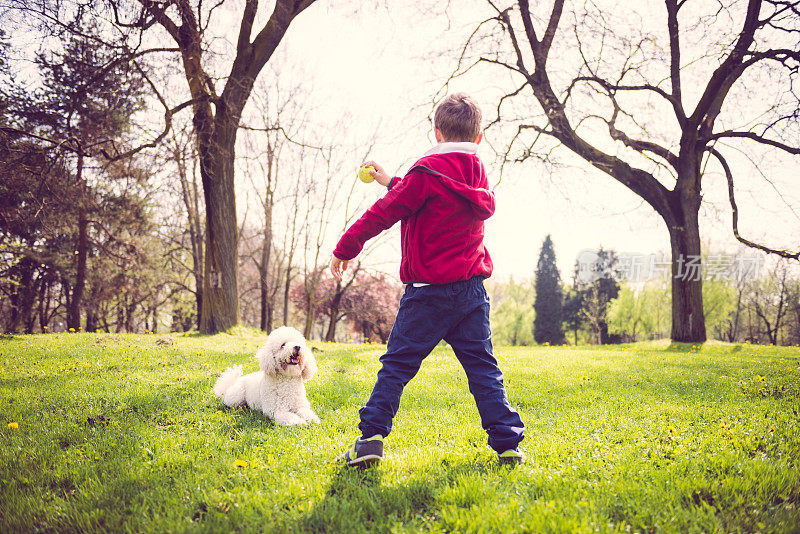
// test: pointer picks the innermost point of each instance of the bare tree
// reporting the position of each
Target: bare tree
(622, 72)
(330, 206)
(277, 145)
(594, 312)
(769, 298)
(181, 152)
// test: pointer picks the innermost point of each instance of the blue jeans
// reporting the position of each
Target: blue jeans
(458, 313)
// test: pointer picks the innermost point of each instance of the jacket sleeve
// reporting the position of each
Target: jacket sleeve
(405, 197)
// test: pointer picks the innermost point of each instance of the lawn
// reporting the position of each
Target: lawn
(117, 433)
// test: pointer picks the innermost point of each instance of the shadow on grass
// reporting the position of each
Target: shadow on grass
(247, 418)
(677, 346)
(357, 500)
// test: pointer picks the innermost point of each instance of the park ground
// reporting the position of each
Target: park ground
(119, 433)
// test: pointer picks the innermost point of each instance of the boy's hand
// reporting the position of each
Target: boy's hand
(337, 267)
(379, 174)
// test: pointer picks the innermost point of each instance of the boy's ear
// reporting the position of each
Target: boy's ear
(478, 139)
(438, 135)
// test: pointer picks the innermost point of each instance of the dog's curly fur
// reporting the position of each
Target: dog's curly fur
(277, 389)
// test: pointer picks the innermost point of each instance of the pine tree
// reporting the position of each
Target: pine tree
(547, 325)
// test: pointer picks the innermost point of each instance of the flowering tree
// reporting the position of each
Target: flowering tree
(369, 302)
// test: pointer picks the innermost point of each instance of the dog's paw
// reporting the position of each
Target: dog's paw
(308, 415)
(288, 419)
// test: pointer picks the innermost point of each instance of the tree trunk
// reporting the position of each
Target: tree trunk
(81, 252)
(22, 298)
(130, 313)
(286, 288)
(44, 301)
(91, 320)
(266, 249)
(120, 315)
(330, 335)
(602, 334)
(220, 307)
(688, 318)
(310, 305)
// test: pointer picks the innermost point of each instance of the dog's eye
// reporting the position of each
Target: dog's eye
(283, 345)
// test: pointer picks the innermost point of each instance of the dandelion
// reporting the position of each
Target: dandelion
(240, 463)
(71, 329)
(13, 424)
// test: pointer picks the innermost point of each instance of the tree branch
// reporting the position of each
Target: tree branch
(246, 27)
(755, 137)
(158, 11)
(642, 146)
(675, 59)
(527, 23)
(608, 86)
(710, 103)
(550, 32)
(735, 216)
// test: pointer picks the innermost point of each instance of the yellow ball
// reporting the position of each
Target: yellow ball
(364, 174)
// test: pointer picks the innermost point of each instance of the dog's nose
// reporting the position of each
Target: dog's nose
(297, 348)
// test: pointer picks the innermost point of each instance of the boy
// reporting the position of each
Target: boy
(442, 203)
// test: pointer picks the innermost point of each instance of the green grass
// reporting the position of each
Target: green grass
(122, 433)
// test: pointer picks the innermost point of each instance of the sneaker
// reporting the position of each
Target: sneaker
(511, 457)
(364, 452)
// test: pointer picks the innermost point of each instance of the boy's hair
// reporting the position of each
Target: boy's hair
(458, 118)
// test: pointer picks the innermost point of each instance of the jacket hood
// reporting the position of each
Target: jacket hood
(457, 167)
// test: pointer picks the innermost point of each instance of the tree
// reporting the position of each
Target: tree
(216, 115)
(373, 306)
(547, 327)
(793, 335)
(70, 215)
(612, 71)
(216, 122)
(597, 287)
(84, 103)
(768, 297)
(369, 302)
(283, 117)
(32, 238)
(573, 318)
(183, 154)
(626, 314)
(639, 313)
(512, 312)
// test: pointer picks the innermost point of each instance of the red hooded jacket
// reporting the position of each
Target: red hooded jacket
(442, 203)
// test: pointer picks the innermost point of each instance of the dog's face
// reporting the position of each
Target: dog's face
(286, 353)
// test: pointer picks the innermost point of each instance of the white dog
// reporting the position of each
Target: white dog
(277, 389)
